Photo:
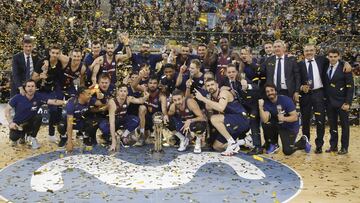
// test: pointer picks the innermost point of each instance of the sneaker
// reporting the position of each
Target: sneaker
(318, 150)
(62, 142)
(34, 143)
(52, 138)
(307, 144)
(331, 149)
(343, 151)
(79, 135)
(255, 151)
(22, 140)
(197, 148)
(249, 142)
(183, 144)
(140, 142)
(13, 143)
(272, 149)
(231, 149)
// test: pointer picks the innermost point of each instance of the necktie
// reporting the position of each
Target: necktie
(330, 71)
(310, 75)
(278, 75)
(232, 85)
(28, 73)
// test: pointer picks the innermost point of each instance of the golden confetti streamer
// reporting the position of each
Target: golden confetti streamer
(258, 158)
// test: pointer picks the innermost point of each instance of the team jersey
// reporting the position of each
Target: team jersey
(78, 111)
(186, 113)
(154, 104)
(48, 84)
(109, 68)
(121, 110)
(69, 76)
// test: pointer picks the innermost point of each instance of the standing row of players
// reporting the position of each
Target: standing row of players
(185, 91)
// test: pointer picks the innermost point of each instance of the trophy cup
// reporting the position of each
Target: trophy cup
(45, 71)
(158, 130)
(280, 111)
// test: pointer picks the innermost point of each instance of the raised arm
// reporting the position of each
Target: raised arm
(128, 54)
(179, 79)
(217, 106)
(135, 83)
(264, 115)
(64, 60)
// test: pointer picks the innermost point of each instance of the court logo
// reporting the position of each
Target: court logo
(133, 175)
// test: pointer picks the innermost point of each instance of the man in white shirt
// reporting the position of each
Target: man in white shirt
(313, 72)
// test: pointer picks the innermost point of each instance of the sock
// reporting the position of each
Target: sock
(142, 130)
(231, 140)
(180, 136)
(125, 133)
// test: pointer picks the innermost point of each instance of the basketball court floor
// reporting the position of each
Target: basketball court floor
(136, 175)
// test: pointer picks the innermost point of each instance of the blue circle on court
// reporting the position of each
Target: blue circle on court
(136, 175)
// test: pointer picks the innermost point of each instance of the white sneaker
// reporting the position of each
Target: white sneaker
(183, 144)
(52, 139)
(34, 143)
(231, 149)
(249, 142)
(197, 148)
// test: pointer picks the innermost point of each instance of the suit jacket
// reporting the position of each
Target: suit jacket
(292, 75)
(340, 88)
(19, 71)
(248, 98)
(322, 63)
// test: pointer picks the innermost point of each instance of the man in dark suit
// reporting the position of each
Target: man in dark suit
(247, 93)
(339, 87)
(268, 48)
(282, 71)
(313, 75)
(313, 71)
(22, 67)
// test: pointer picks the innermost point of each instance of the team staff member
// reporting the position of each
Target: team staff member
(313, 76)
(339, 88)
(23, 64)
(247, 93)
(26, 119)
(279, 117)
(282, 70)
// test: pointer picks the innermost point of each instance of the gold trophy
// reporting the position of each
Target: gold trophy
(158, 118)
